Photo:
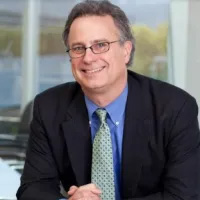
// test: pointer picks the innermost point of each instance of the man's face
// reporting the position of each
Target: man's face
(99, 72)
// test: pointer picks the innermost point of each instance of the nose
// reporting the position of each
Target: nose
(89, 56)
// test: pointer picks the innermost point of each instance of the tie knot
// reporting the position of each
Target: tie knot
(101, 113)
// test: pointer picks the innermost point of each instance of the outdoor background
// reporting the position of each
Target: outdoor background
(33, 58)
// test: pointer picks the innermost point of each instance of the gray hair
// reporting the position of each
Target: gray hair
(102, 8)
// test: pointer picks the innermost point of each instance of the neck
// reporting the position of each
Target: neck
(104, 96)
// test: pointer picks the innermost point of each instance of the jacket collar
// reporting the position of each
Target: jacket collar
(78, 138)
(135, 138)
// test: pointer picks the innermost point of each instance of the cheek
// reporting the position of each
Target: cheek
(117, 61)
(118, 55)
(110, 58)
(73, 67)
(74, 64)
(74, 70)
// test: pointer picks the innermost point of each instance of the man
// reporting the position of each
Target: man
(150, 126)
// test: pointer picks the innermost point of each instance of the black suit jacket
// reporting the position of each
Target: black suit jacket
(160, 153)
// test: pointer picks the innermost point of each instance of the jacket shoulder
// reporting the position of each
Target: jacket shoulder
(159, 88)
(64, 91)
(162, 95)
(56, 99)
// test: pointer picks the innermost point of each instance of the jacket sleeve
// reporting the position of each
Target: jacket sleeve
(182, 171)
(39, 180)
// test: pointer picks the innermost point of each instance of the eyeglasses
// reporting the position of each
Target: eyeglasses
(97, 48)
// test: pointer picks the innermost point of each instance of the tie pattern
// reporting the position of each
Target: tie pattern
(102, 159)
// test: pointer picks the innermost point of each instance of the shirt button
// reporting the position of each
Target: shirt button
(117, 123)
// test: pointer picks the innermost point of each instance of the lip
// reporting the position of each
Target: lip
(93, 71)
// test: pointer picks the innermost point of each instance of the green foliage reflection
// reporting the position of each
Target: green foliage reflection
(149, 59)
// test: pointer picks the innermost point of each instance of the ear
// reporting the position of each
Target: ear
(127, 50)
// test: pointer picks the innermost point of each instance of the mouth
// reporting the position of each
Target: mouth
(93, 71)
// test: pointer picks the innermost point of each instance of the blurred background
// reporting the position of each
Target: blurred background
(33, 58)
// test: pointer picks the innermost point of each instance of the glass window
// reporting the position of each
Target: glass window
(150, 26)
(11, 146)
(149, 21)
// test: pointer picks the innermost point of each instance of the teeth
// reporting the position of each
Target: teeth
(94, 70)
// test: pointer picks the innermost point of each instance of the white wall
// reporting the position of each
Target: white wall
(193, 62)
(185, 45)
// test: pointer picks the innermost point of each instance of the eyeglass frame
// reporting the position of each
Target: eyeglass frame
(90, 47)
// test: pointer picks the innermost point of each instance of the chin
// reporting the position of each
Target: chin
(94, 87)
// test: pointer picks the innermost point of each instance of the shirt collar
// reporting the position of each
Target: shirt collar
(115, 109)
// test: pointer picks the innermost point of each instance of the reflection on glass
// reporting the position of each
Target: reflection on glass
(149, 24)
(151, 48)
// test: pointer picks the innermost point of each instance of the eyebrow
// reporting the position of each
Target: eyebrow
(99, 40)
(93, 42)
(77, 43)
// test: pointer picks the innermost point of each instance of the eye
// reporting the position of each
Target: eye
(78, 49)
(101, 45)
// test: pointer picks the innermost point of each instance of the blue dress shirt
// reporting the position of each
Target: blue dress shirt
(115, 120)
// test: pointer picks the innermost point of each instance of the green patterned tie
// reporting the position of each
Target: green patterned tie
(102, 159)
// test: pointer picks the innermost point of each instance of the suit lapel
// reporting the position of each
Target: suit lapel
(134, 139)
(78, 138)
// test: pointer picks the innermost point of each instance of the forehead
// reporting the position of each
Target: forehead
(92, 28)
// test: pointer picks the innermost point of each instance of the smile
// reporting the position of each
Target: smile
(94, 70)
